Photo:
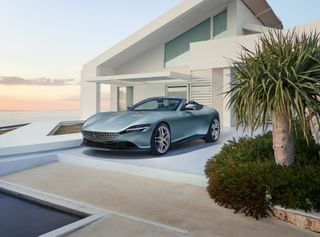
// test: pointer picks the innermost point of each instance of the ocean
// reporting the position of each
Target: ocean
(8, 118)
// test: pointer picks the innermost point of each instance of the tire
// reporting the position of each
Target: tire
(160, 140)
(213, 132)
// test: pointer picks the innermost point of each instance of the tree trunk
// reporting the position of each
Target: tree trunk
(283, 144)
(315, 129)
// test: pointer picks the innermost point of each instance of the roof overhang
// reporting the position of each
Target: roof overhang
(143, 78)
(263, 11)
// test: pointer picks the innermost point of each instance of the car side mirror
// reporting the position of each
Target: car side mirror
(190, 107)
(129, 107)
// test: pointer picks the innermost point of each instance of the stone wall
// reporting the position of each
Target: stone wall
(301, 219)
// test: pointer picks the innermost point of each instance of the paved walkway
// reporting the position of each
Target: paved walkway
(181, 206)
(116, 226)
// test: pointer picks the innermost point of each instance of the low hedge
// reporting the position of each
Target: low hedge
(245, 177)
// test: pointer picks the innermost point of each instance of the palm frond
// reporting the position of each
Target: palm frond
(280, 76)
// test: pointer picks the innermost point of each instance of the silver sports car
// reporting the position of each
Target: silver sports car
(152, 124)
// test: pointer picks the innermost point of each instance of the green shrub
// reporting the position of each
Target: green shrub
(244, 173)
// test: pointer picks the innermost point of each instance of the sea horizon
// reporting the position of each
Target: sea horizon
(15, 117)
(36, 110)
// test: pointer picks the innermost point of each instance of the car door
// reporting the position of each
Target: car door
(187, 123)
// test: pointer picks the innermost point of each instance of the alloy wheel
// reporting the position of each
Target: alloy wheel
(162, 139)
(215, 129)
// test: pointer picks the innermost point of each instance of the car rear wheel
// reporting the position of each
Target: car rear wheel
(213, 132)
(160, 140)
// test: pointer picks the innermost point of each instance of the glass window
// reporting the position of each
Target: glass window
(158, 105)
(176, 50)
(178, 91)
(220, 24)
(150, 105)
(125, 97)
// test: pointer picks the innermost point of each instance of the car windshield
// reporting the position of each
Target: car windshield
(159, 104)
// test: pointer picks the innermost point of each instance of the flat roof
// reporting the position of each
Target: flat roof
(143, 78)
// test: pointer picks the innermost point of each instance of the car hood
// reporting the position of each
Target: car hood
(120, 121)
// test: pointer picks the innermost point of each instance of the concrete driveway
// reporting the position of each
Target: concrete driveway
(187, 158)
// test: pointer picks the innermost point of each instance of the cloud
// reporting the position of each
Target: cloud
(14, 81)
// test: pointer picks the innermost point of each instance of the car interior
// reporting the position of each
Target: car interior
(168, 105)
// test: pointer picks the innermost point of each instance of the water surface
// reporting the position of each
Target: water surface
(20, 217)
(8, 118)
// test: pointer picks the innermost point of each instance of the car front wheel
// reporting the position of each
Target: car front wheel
(160, 140)
(213, 132)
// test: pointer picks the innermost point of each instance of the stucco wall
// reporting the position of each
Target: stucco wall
(245, 17)
(150, 61)
(218, 53)
(89, 93)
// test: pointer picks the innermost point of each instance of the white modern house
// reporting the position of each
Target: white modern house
(185, 52)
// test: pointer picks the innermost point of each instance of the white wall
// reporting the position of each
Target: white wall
(219, 53)
(232, 24)
(89, 93)
(114, 98)
(245, 17)
(150, 61)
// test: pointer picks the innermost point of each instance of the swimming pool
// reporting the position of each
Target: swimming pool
(21, 217)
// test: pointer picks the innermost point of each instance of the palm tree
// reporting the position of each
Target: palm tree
(278, 80)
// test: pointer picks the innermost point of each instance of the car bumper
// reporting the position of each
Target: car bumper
(120, 146)
(139, 140)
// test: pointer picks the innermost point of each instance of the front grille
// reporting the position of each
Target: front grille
(101, 137)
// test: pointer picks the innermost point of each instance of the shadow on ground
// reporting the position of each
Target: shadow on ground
(176, 149)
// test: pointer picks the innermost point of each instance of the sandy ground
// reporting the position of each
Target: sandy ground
(181, 206)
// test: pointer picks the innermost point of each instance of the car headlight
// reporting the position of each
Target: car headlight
(137, 128)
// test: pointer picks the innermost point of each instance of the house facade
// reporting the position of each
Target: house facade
(186, 52)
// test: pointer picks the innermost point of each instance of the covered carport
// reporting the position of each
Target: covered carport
(143, 85)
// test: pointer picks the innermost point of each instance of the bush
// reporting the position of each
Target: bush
(244, 173)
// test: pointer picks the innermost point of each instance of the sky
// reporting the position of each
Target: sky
(44, 43)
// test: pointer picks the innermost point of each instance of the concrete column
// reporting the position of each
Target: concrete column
(98, 97)
(114, 97)
(226, 119)
(90, 99)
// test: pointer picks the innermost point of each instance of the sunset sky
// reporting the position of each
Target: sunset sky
(44, 43)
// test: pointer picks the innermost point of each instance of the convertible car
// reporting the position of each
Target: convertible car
(152, 124)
